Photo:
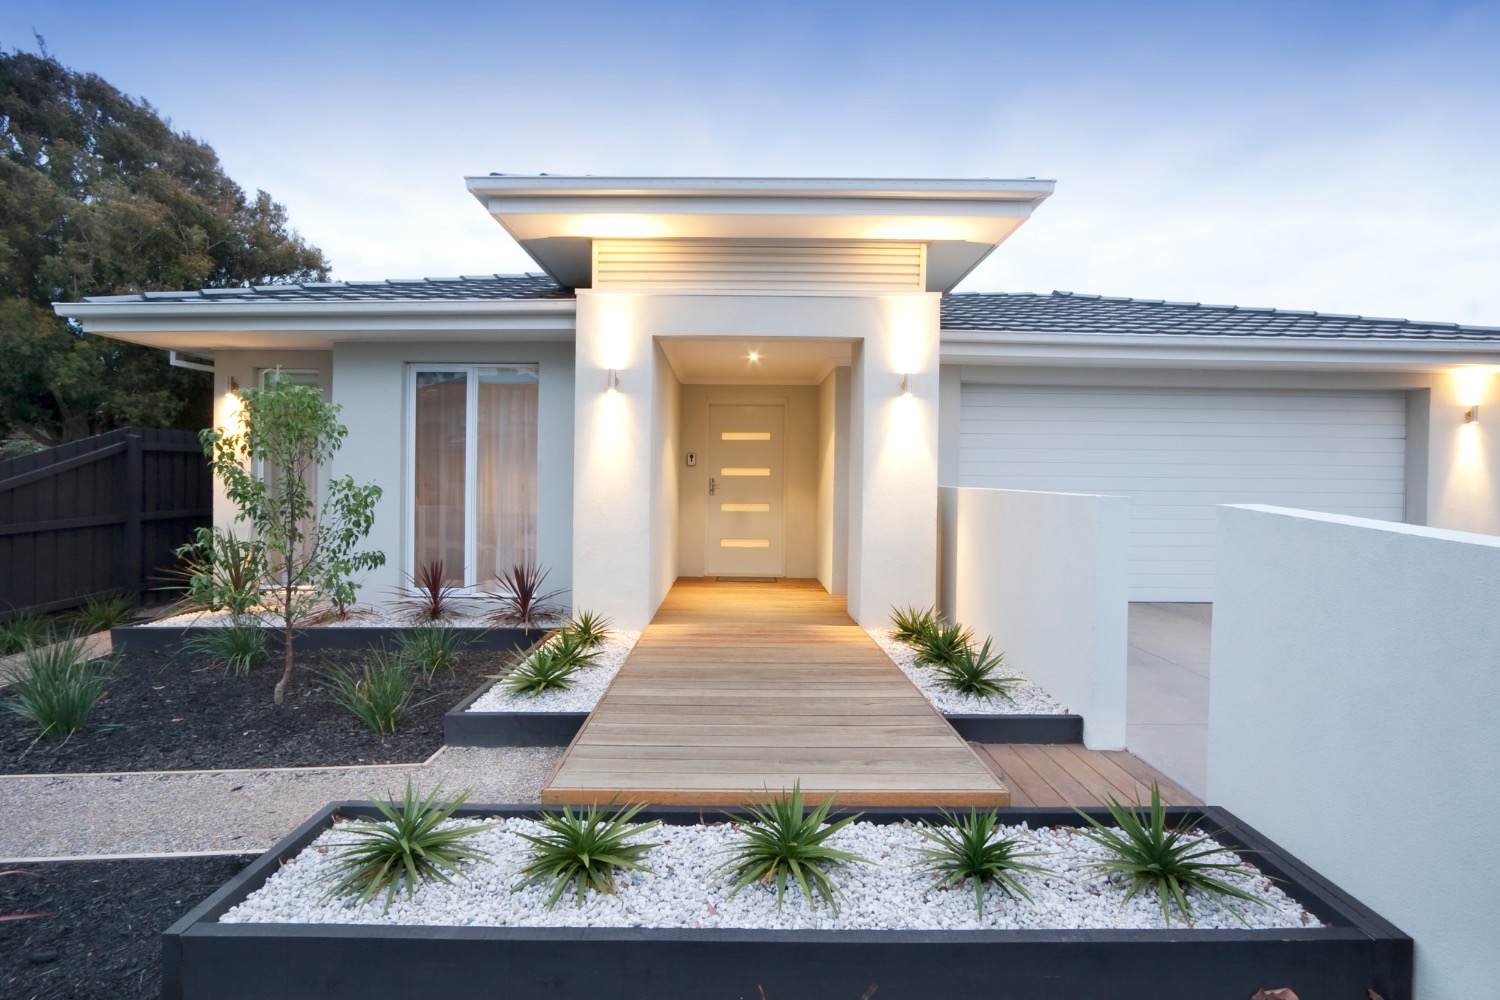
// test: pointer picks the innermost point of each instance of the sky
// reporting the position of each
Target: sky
(1336, 156)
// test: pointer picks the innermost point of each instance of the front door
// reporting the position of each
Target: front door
(746, 513)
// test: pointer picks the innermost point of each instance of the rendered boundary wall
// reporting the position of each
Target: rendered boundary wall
(1046, 574)
(1355, 718)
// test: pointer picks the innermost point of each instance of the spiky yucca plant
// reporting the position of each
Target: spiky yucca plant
(942, 644)
(913, 623)
(971, 671)
(590, 628)
(409, 847)
(781, 839)
(546, 669)
(971, 847)
(1151, 856)
(584, 850)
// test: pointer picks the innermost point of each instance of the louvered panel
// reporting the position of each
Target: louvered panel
(767, 265)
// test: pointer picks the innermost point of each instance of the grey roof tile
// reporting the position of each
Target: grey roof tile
(487, 287)
(1067, 312)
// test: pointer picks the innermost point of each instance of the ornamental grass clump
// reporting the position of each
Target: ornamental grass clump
(1149, 856)
(971, 671)
(913, 624)
(548, 668)
(409, 847)
(584, 850)
(590, 628)
(101, 614)
(379, 693)
(431, 648)
(21, 633)
(239, 647)
(781, 840)
(972, 847)
(58, 686)
(942, 644)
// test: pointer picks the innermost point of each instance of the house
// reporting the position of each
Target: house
(771, 377)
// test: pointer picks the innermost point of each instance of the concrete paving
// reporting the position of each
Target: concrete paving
(1166, 714)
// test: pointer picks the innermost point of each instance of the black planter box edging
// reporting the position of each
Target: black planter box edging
(462, 728)
(1358, 951)
(316, 639)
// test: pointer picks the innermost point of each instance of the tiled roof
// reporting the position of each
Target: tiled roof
(1068, 312)
(479, 287)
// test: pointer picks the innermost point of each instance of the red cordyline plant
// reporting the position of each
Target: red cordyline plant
(434, 600)
(523, 603)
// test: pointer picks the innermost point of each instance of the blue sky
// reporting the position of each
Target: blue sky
(1335, 156)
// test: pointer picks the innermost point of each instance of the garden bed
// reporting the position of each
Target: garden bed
(104, 936)
(1343, 949)
(332, 637)
(185, 712)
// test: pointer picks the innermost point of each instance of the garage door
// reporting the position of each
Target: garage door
(1178, 453)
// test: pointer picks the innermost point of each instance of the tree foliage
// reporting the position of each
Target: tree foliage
(286, 431)
(101, 196)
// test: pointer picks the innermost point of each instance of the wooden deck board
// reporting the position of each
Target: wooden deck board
(735, 689)
(1086, 777)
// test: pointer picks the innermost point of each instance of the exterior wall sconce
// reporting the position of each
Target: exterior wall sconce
(234, 384)
(612, 384)
(906, 385)
(1471, 415)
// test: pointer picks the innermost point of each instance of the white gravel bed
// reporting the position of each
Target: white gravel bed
(1027, 698)
(683, 890)
(469, 614)
(588, 687)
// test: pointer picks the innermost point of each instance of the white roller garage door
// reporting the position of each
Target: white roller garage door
(1178, 453)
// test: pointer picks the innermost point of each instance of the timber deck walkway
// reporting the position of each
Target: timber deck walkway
(739, 688)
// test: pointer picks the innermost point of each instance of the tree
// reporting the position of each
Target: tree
(100, 196)
(287, 431)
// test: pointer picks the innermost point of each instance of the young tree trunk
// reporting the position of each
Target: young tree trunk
(286, 673)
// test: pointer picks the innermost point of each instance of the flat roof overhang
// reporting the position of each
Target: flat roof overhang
(556, 219)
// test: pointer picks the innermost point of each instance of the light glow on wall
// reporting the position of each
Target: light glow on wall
(1472, 384)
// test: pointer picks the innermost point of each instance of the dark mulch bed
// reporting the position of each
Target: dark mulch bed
(104, 937)
(184, 712)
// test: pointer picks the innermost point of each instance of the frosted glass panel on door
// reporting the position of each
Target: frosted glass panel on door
(506, 501)
(441, 418)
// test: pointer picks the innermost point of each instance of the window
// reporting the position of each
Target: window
(472, 470)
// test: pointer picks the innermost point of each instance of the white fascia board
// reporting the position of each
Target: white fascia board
(974, 347)
(321, 317)
(676, 188)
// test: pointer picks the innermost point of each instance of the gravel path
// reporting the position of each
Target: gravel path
(70, 815)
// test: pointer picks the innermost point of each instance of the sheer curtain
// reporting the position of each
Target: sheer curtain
(506, 487)
(439, 443)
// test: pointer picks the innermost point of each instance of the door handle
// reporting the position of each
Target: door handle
(713, 485)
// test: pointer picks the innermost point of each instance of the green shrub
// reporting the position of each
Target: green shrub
(912, 624)
(781, 839)
(971, 671)
(22, 633)
(238, 647)
(406, 849)
(101, 614)
(591, 629)
(1150, 856)
(584, 850)
(941, 644)
(546, 669)
(971, 848)
(57, 687)
(378, 693)
(431, 648)
(573, 649)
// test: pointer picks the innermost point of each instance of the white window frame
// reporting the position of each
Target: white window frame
(258, 467)
(471, 466)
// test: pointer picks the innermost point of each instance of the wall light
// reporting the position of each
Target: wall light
(613, 383)
(234, 384)
(754, 356)
(1471, 415)
(906, 385)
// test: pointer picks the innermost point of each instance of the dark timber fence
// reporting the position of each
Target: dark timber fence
(97, 516)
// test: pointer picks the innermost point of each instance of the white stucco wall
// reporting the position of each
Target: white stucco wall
(370, 383)
(799, 471)
(1045, 574)
(833, 482)
(666, 472)
(1355, 718)
(1463, 461)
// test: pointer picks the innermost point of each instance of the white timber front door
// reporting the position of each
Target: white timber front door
(746, 509)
